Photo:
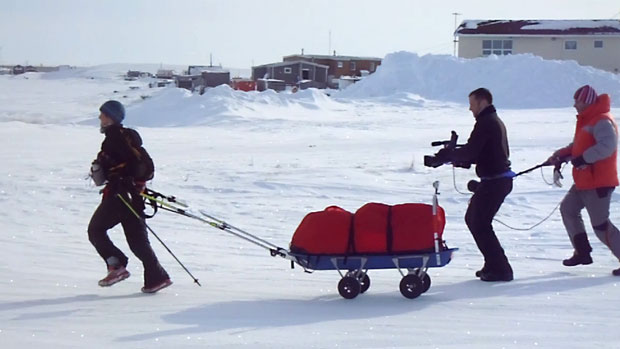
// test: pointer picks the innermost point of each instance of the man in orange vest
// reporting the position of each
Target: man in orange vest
(593, 154)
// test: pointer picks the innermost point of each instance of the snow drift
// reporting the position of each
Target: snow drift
(516, 81)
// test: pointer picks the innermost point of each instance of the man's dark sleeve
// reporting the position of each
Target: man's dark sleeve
(469, 152)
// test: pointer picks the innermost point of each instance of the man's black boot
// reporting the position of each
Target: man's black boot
(581, 256)
(503, 273)
(496, 276)
(483, 269)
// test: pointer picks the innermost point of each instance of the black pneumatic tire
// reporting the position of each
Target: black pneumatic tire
(364, 283)
(426, 282)
(349, 287)
(411, 286)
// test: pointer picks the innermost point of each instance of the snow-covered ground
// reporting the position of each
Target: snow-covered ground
(261, 161)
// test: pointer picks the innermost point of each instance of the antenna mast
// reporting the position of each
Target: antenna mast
(455, 41)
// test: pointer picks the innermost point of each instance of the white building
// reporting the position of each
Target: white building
(594, 43)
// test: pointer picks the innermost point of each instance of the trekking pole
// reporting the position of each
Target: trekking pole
(217, 223)
(546, 163)
(160, 240)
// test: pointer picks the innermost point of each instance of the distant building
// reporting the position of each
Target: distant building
(213, 78)
(243, 84)
(293, 73)
(189, 82)
(136, 74)
(346, 81)
(165, 74)
(198, 69)
(339, 65)
(201, 79)
(270, 84)
(18, 69)
(161, 83)
(133, 74)
(594, 43)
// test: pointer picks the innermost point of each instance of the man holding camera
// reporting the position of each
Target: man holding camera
(487, 147)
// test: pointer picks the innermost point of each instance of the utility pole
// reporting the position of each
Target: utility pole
(329, 48)
(455, 41)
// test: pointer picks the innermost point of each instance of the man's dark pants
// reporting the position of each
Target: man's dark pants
(111, 212)
(483, 206)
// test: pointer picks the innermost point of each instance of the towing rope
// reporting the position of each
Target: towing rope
(520, 173)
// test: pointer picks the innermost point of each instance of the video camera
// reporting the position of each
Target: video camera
(437, 160)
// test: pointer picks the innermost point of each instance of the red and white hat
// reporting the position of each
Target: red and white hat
(585, 94)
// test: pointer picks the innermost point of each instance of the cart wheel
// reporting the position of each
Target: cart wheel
(411, 286)
(364, 283)
(426, 282)
(349, 287)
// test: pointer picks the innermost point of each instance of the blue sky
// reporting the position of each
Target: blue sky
(242, 33)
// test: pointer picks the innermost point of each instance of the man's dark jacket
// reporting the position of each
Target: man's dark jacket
(487, 146)
(116, 156)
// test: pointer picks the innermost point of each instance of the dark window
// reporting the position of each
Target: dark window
(288, 70)
(598, 43)
(305, 74)
(570, 45)
(352, 66)
(486, 44)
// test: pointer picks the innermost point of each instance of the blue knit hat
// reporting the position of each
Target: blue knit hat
(114, 110)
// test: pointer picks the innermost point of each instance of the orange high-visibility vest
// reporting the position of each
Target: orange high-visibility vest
(602, 173)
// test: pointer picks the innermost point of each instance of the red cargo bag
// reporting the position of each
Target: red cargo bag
(413, 227)
(370, 225)
(324, 232)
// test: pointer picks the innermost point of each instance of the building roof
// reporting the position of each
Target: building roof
(280, 64)
(335, 58)
(216, 71)
(210, 68)
(539, 27)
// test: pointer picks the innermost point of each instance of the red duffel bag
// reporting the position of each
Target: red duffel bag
(375, 228)
(323, 232)
(414, 227)
(370, 228)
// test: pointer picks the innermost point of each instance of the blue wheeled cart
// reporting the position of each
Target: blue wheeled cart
(353, 268)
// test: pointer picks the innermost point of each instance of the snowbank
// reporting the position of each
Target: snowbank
(179, 107)
(516, 81)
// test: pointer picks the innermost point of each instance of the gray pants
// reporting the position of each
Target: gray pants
(597, 204)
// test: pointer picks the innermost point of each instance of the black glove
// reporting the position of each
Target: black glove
(444, 154)
(579, 162)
